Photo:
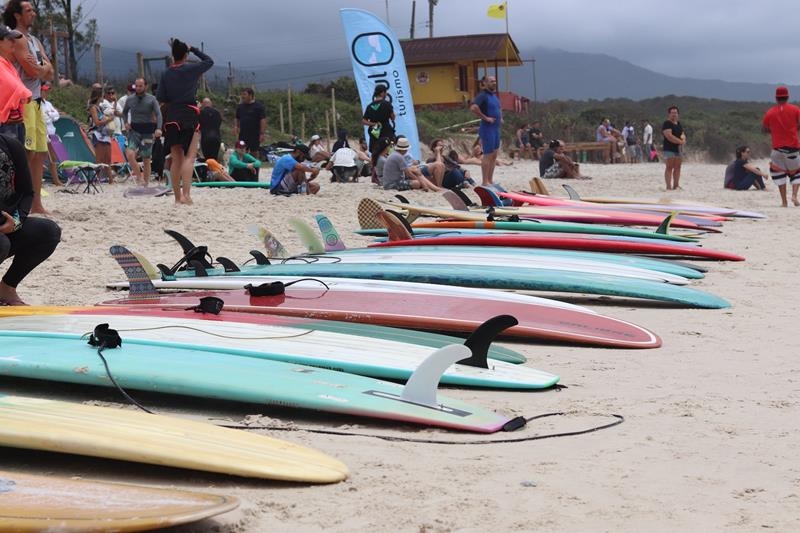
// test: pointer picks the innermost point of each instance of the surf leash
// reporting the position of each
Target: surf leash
(617, 420)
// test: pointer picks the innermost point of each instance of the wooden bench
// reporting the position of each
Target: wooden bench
(603, 149)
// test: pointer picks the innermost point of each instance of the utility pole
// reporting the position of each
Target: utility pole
(230, 79)
(413, 16)
(431, 5)
(140, 64)
(203, 82)
(98, 63)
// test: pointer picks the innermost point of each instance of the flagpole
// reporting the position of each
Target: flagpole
(508, 88)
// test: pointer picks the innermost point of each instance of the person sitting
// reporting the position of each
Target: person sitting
(341, 140)
(536, 138)
(523, 141)
(289, 175)
(216, 172)
(398, 175)
(363, 159)
(344, 164)
(243, 166)
(455, 177)
(555, 164)
(316, 151)
(605, 134)
(742, 174)
(433, 172)
(29, 240)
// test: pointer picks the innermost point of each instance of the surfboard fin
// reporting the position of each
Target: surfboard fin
(260, 258)
(228, 264)
(333, 242)
(421, 386)
(484, 335)
(538, 186)
(573, 194)
(273, 247)
(307, 236)
(184, 241)
(139, 279)
(663, 228)
(395, 229)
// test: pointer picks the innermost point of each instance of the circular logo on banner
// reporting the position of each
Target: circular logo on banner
(373, 49)
(422, 77)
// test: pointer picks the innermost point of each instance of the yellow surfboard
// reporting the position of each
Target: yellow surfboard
(31, 503)
(128, 435)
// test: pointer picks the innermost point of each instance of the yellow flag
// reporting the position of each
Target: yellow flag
(497, 11)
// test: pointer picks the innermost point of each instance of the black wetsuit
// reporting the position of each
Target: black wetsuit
(210, 136)
(36, 238)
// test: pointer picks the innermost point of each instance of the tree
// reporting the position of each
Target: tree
(81, 31)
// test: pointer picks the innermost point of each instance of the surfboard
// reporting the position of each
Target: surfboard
(261, 336)
(32, 503)
(136, 436)
(146, 192)
(232, 184)
(216, 373)
(562, 214)
(418, 311)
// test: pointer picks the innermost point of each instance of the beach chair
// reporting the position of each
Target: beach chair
(200, 170)
(75, 174)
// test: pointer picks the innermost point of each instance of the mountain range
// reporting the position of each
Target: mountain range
(555, 75)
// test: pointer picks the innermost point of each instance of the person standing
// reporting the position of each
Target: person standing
(142, 116)
(13, 93)
(781, 121)
(210, 134)
(379, 117)
(100, 133)
(29, 240)
(178, 91)
(250, 122)
(486, 106)
(674, 140)
(51, 114)
(647, 140)
(34, 67)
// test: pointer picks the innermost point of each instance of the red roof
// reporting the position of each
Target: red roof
(460, 48)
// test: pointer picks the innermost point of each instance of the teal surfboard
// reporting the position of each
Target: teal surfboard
(232, 184)
(497, 277)
(193, 371)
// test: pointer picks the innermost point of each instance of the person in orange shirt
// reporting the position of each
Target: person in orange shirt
(216, 172)
(781, 121)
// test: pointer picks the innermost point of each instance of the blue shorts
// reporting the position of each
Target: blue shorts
(667, 154)
(490, 139)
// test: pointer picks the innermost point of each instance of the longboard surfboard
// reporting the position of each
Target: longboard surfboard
(32, 503)
(127, 435)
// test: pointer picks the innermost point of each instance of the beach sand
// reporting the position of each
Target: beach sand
(709, 441)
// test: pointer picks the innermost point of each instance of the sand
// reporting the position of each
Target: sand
(709, 441)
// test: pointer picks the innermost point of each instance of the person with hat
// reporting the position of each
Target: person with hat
(34, 67)
(289, 174)
(243, 166)
(398, 175)
(781, 121)
(13, 93)
(316, 151)
(671, 149)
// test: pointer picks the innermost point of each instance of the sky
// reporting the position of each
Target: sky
(731, 40)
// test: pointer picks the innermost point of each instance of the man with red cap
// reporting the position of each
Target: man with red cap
(782, 121)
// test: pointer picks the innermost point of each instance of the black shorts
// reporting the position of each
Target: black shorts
(177, 134)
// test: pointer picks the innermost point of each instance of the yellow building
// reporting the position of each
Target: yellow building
(444, 71)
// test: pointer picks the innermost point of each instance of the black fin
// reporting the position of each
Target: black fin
(464, 197)
(198, 267)
(229, 265)
(260, 258)
(482, 338)
(184, 242)
(402, 198)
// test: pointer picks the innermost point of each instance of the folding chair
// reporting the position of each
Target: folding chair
(75, 173)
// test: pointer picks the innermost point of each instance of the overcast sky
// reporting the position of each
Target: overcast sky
(732, 40)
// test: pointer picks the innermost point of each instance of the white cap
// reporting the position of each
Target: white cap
(315, 137)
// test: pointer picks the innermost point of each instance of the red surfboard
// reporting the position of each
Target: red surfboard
(453, 314)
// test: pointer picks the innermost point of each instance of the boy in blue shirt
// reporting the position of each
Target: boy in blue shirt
(289, 174)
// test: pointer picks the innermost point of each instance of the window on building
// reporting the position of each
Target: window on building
(463, 84)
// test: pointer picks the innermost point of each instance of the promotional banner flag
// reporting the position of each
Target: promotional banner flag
(378, 59)
(497, 11)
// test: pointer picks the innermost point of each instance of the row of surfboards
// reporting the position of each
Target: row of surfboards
(265, 357)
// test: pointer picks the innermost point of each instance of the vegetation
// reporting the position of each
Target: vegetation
(60, 16)
(714, 127)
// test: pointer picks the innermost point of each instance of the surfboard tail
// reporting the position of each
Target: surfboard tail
(138, 270)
